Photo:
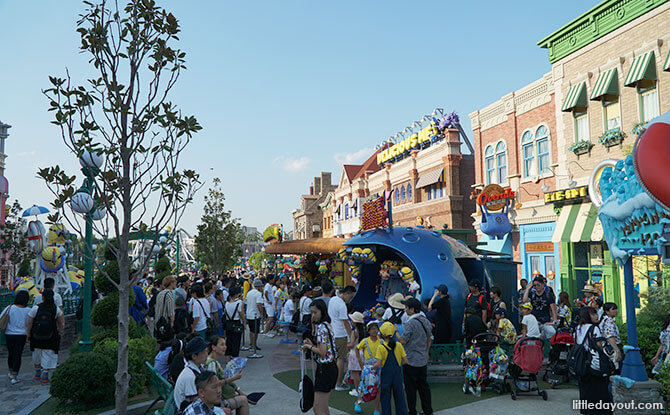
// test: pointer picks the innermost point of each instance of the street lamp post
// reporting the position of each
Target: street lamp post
(83, 202)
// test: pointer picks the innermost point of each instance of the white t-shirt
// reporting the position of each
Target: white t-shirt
(201, 313)
(57, 299)
(304, 304)
(533, 329)
(18, 316)
(268, 291)
(254, 297)
(287, 312)
(337, 310)
(33, 312)
(225, 293)
(184, 387)
(230, 309)
(404, 318)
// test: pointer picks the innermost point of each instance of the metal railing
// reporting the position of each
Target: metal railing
(444, 354)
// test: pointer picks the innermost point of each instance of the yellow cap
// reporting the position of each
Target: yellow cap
(387, 329)
(526, 305)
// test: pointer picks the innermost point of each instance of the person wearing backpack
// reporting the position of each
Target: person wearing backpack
(45, 323)
(13, 320)
(234, 321)
(593, 383)
(164, 309)
(182, 318)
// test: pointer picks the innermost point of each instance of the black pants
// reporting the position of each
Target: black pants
(233, 340)
(594, 389)
(15, 343)
(416, 380)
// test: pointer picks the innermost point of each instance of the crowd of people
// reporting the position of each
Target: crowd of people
(201, 322)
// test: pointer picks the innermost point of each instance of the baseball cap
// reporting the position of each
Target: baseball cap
(474, 283)
(500, 311)
(258, 282)
(527, 305)
(387, 329)
(195, 346)
(442, 288)
(412, 303)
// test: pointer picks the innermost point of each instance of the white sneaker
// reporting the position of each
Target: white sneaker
(353, 393)
(341, 388)
(270, 335)
(15, 381)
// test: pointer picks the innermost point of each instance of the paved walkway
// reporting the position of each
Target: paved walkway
(28, 394)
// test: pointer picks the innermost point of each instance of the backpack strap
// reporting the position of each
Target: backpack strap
(368, 346)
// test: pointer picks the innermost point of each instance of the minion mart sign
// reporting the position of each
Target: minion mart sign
(422, 139)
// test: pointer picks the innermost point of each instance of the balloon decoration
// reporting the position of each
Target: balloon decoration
(52, 260)
(36, 236)
(650, 157)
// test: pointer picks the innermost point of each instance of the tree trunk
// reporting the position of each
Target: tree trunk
(122, 375)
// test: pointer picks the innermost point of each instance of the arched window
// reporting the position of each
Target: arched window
(402, 194)
(527, 148)
(501, 162)
(346, 211)
(542, 140)
(409, 192)
(397, 196)
(489, 163)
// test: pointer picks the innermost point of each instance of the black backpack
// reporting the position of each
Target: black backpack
(605, 365)
(44, 323)
(580, 358)
(182, 321)
(396, 316)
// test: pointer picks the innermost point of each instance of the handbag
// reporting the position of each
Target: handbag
(4, 319)
(230, 324)
(306, 387)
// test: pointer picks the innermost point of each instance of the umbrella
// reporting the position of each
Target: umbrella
(35, 210)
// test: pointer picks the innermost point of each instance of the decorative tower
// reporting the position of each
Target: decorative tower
(4, 183)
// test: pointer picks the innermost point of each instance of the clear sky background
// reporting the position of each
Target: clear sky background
(284, 89)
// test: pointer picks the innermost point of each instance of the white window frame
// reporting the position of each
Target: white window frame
(535, 173)
(607, 104)
(641, 92)
(576, 119)
(501, 180)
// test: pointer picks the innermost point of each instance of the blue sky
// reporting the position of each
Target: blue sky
(284, 89)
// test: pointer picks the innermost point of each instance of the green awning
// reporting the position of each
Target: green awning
(578, 223)
(576, 97)
(606, 84)
(666, 65)
(643, 67)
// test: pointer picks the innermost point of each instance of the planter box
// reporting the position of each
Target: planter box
(612, 143)
(581, 150)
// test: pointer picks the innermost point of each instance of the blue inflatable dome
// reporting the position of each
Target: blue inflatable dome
(436, 259)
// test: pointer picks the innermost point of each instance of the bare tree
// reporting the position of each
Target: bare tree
(124, 117)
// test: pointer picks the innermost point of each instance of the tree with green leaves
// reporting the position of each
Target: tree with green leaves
(256, 259)
(121, 118)
(218, 243)
(14, 245)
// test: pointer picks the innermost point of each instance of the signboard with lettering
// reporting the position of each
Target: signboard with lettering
(539, 247)
(494, 197)
(416, 141)
(576, 195)
(632, 221)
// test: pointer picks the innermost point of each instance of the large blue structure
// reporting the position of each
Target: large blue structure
(435, 258)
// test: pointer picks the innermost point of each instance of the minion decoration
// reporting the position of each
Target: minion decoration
(323, 267)
(357, 255)
(29, 286)
(369, 256)
(343, 255)
(407, 275)
(52, 260)
(56, 235)
(355, 273)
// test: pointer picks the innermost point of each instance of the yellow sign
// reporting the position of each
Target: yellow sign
(568, 194)
(408, 144)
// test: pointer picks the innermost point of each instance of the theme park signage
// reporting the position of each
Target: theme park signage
(374, 215)
(568, 195)
(494, 197)
(415, 141)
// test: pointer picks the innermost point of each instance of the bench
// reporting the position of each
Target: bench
(164, 390)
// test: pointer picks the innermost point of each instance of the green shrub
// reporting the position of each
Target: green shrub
(105, 312)
(85, 380)
(663, 377)
(648, 330)
(139, 350)
(102, 282)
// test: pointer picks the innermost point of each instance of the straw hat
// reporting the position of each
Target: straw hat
(356, 317)
(589, 289)
(396, 300)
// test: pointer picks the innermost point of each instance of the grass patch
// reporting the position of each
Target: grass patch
(444, 395)
(51, 406)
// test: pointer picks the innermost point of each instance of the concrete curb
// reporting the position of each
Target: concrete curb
(39, 400)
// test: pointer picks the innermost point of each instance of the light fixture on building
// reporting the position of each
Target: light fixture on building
(544, 187)
(571, 183)
(534, 212)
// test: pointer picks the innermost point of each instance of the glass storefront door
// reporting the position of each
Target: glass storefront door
(544, 263)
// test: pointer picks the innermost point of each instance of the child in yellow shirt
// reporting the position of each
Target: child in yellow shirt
(368, 348)
(390, 356)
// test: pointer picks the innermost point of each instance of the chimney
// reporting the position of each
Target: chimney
(326, 180)
(317, 185)
(311, 190)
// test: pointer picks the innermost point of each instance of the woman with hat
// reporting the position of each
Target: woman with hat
(390, 356)
(395, 313)
(590, 294)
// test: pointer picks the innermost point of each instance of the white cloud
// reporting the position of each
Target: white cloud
(26, 153)
(355, 157)
(292, 165)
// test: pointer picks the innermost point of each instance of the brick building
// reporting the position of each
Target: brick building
(307, 221)
(610, 71)
(429, 186)
(516, 147)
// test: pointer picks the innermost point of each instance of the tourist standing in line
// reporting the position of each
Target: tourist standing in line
(254, 303)
(442, 307)
(416, 340)
(544, 305)
(44, 327)
(269, 302)
(235, 321)
(15, 332)
(200, 311)
(390, 356)
(342, 332)
(165, 301)
(325, 352)
(592, 389)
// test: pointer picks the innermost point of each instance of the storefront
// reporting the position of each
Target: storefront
(538, 253)
(584, 256)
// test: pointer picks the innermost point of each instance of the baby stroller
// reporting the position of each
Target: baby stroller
(561, 342)
(526, 364)
(476, 363)
(498, 364)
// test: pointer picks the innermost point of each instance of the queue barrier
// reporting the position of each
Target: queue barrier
(164, 391)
